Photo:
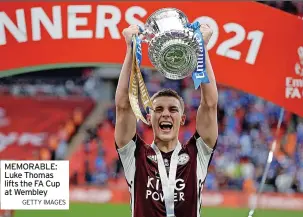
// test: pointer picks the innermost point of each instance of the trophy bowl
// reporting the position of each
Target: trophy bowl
(172, 48)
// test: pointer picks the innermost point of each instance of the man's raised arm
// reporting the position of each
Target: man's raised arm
(125, 128)
(206, 121)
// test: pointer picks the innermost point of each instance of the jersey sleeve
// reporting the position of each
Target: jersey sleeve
(205, 153)
(127, 155)
(204, 156)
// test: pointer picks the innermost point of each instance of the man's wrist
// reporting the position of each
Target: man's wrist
(128, 47)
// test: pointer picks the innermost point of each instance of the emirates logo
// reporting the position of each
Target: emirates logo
(294, 84)
(299, 65)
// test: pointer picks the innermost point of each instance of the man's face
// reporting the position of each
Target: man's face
(166, 118)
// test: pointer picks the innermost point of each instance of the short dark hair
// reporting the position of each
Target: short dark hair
(171, 93)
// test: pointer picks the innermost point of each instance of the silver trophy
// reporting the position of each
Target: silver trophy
(172, 48)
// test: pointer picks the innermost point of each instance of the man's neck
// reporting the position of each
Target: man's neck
(166, 146)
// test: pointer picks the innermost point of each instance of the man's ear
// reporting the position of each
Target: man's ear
(183, 119)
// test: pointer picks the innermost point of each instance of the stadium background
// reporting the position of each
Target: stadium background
(69, 114)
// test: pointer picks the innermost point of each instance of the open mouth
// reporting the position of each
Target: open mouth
(166, 126)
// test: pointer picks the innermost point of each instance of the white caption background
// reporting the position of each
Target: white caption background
(56, 189)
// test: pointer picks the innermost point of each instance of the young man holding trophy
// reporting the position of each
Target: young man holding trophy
(166, 178)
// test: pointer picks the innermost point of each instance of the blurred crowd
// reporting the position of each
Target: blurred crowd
(71, 83)
(57, 143)
(247, 129)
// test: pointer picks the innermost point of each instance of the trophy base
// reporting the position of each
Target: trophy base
(174, 53)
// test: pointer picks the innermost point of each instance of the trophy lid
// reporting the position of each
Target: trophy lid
(165, 13)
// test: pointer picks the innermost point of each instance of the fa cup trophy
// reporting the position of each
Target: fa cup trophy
(175, 48)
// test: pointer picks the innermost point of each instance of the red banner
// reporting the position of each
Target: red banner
(26, 123)
(255, 48)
